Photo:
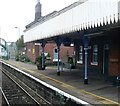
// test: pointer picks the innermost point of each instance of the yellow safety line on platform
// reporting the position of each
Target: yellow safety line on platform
(64, 83)
(101, 97)
(39, 74)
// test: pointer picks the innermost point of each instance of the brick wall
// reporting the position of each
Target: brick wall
(29, 51)
(114, 57)
(111, 38)
(49, 48)
(94, 41)
(63, 52)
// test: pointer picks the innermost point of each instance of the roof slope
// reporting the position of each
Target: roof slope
(55, 13)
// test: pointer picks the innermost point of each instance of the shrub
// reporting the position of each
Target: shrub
(67, 52)
(38, 60)
(70, 61)
(27, 59)
(22, 58)
(17, 57)
(48, 55)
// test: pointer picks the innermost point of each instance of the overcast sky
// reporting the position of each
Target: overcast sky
(19, 13)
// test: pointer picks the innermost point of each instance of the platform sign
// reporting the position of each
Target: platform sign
(33, 51)
(29, 50)
(2, 42)
(37, 44)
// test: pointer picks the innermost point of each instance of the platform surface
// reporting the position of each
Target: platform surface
(97, 91)
(0, 83)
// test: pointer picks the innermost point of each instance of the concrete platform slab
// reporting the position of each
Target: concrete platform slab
(98, 91)
(0, 84)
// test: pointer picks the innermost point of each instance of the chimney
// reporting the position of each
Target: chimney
(37, 10)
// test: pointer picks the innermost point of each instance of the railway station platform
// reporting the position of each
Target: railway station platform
(0, 85)
(97, 91)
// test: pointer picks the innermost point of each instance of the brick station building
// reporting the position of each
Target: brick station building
(103, 49)
(103, 53)
(35, 49)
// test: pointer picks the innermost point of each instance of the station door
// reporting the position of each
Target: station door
(106, 59)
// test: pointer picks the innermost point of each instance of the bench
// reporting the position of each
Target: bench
(67, 66)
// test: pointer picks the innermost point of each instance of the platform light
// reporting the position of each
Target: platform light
(18, 31)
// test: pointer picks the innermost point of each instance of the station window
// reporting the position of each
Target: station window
(80, 55)
(2, 49)
(55, 50)
(95, 55)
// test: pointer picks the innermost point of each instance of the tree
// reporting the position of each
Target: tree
(20, 43)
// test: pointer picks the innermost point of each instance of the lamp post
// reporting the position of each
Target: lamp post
(18, 31)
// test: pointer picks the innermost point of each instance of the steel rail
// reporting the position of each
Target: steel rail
(5, 97)
(22, 89)
(77, 100)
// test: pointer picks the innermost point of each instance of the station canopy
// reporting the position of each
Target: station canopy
(82, 16)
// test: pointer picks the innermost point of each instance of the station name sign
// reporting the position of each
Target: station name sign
(37, 44)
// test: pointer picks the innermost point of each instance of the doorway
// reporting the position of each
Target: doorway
(106, 59)
(55, 53)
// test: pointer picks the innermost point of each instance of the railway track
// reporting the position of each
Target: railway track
(45, 93)
(14, 94)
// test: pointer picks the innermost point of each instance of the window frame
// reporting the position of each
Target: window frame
(80, 60)
(95, 55)
(2, 50)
